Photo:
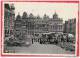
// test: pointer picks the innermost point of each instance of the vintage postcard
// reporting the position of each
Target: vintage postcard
(47, 28)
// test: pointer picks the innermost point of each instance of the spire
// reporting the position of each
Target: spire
(55, 15)
(31, 15)
(12, 6)
(18, 17)
(38, 17)
(45, 16)
(24, 16)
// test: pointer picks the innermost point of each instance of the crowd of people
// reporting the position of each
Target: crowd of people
(64, 40)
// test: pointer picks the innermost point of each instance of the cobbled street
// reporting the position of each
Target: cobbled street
(37, 48)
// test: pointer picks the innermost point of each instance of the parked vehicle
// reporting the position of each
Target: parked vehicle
(49, 38)
(53, 38)
(44, 38)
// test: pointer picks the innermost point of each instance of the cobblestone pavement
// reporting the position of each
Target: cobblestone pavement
(37, 48)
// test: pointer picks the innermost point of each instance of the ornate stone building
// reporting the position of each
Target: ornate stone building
(70, 26)
(17, 26)
(31, 24)
(56, 24)
(35, 25)
(9, 17)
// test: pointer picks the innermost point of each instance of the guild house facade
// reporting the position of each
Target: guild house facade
(9, 17)
(30, 24)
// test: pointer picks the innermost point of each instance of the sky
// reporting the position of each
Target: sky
(64, 10)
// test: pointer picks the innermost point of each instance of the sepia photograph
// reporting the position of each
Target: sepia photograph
(40, 28)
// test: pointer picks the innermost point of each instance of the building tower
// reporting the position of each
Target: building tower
(9, 17)
(12, 18)
(55, 16)
(17, 26)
